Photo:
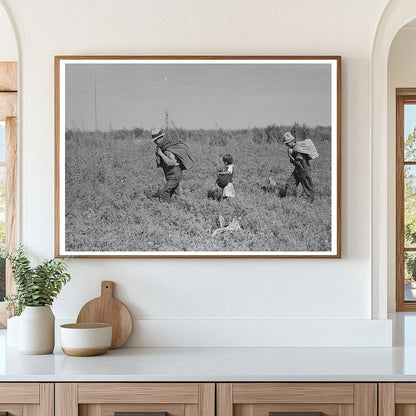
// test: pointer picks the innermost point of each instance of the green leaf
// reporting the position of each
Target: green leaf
(35, 286)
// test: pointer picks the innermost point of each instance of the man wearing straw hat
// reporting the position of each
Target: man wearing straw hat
(173, 157)
(170, 165)
(299, 156)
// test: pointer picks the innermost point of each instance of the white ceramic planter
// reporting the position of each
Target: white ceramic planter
(37, 330)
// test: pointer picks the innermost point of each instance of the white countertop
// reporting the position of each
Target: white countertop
(221, 364)
(215, 364)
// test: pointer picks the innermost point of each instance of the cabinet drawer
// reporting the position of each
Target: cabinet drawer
(138, 393)
(148, 399)
(19, 393)
(297, 399)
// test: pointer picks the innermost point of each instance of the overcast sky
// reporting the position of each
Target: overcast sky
(409, 119)
(230, 96)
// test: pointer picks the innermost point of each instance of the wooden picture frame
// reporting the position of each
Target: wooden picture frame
(111, 200)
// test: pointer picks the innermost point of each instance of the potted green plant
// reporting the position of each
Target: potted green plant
(36, 289)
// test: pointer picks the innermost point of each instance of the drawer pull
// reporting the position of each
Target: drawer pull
(295, 413)
(140, 414)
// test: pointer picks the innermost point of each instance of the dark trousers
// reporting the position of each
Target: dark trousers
(301, 175)
(173, 175)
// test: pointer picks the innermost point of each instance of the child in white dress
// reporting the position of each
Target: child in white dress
(225, 178)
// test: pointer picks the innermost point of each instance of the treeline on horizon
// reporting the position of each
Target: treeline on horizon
(269, 134)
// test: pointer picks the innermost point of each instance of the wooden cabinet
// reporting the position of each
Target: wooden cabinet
(27, 399)
(106, 399)
(208, 399)
(397, 399)
(262, 399)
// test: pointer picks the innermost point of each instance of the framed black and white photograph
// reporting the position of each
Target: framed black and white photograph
(198, 156)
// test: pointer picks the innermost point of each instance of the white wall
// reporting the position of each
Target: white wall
(8, 46)
(203, 302)
(401, 74)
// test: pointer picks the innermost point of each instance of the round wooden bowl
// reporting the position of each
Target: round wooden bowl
(84, 340)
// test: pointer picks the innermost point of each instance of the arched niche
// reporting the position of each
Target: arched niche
(396, 14)
(9, 53)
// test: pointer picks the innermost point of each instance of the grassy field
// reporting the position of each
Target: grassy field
(109, 180)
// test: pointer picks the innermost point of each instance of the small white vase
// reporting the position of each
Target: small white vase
(37, 330)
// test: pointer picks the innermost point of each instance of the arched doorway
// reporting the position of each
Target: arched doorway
(396, 15)
(8, 150)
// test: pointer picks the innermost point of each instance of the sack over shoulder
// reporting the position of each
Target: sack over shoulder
(307, 147)
(182, 153)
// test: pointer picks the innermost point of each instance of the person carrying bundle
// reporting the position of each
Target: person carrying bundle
(173, 157)
(300, 155)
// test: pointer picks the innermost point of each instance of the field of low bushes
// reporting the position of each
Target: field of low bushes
(110, 177)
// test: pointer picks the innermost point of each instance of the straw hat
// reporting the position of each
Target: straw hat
(288, 137)
(157, 134)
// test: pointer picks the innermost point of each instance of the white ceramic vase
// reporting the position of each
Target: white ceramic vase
(37, 330)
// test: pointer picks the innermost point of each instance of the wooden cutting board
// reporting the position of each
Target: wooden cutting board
(108, 310)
